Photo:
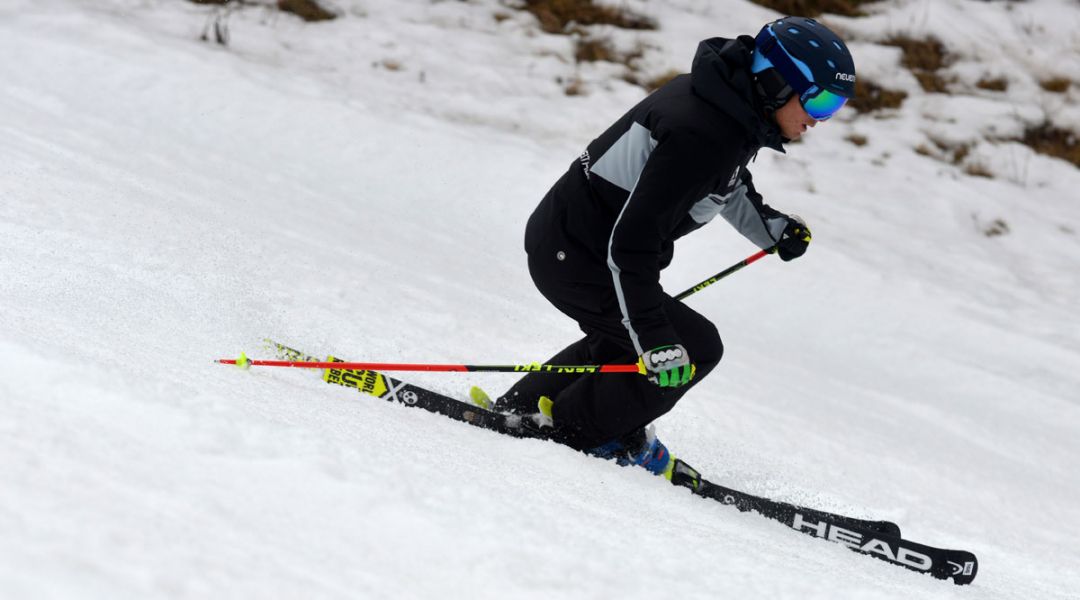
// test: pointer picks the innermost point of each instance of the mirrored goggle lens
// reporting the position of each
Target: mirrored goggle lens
(823, 105)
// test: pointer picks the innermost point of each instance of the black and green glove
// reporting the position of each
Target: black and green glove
(667, 366)
(794, 240)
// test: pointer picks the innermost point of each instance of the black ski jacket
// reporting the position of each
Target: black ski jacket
(664, 169)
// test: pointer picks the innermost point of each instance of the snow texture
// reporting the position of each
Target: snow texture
(360, 187)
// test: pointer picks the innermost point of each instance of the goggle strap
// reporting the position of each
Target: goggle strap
(770, 46)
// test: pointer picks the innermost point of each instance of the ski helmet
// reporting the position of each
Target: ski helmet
(799, 56)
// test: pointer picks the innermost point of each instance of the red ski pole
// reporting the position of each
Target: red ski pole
(244, 362)
(722, 274)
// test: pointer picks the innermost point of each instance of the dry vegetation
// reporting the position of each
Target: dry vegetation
(574, 87)
(1053, 141)
(559, 16)
(955, 154)
(590, 49)
(870, 97)
(1058, 85)
(925, 58)
(979, 170)
(995, 228)
(813, 8)
(571, 17)
(997, 84)
(308, 10)
(857, 139)
(1044, 139)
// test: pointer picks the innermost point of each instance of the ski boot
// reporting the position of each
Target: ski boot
(640, 448)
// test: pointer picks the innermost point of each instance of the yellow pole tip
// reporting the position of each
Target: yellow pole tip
(243, 362)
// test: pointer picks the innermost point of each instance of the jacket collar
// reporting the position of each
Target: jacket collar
(721, 76)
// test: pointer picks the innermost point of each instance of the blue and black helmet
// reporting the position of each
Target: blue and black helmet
(799, 56)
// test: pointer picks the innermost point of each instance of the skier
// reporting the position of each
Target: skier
(598, 240)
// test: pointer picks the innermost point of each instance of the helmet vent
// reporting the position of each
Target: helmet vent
(832, 65)
(838, 46)
(793, 31)
(815, 43)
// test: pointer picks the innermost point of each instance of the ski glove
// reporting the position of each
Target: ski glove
(667, 366)
(794, 240)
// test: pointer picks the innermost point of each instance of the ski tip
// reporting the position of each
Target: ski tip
(480, 398)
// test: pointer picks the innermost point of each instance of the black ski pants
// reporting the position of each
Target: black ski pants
(593, 409)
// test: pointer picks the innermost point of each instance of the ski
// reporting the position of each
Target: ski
(880, 539)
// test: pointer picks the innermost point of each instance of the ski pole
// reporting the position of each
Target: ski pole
(244, 362)
(722, 274)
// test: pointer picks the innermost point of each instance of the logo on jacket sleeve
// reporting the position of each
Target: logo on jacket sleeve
(734, 179)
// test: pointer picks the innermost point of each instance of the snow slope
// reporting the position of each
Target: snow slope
(165, 202)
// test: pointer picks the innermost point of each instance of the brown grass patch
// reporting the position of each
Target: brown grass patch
(979, 170)
(869, 97)
(1058, 85)
(574, 87)
(1053, 141)
(995, 228)
(924, 58)
(955, 154)
(813, 8)
(959, 153)
(556, 16)
(857, 139)
(594, 50)
(998, 84)
(308, 10)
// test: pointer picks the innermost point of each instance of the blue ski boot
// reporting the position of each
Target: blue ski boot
(640, 449)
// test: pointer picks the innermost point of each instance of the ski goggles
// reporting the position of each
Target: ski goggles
(820, 103)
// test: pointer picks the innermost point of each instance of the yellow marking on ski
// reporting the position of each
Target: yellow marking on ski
(368, 382)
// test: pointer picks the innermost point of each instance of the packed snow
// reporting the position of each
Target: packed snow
(359, 188)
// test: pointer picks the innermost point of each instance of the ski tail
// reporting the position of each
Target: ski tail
(880, 539)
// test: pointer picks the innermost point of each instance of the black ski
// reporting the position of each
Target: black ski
(880, 539)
